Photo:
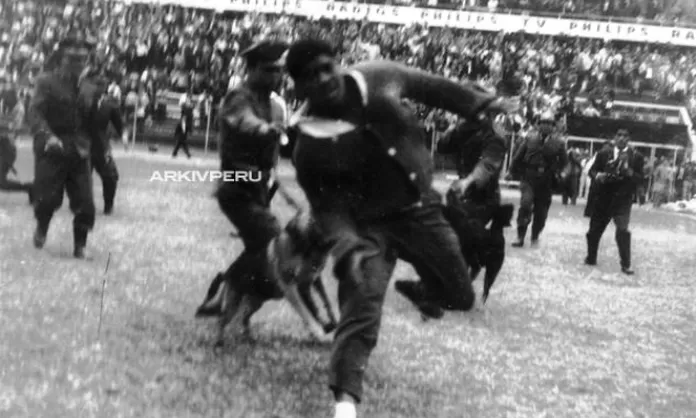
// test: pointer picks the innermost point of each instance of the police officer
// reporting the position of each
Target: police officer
(104, 111)
(474, 200)
(538, 163)
(11, 118)
(367, 174)
(57, 117)
(615, 174)
(250, 134)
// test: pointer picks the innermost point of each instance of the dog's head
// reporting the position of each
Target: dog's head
(299, 252)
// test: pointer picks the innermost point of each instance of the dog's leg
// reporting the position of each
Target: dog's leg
(305, 292)
(292, 294)
(494, 263)
(231, 302)
(211, 305)
(254, 304)
(333, 323)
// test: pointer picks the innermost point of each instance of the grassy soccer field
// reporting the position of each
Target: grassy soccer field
(557, 338)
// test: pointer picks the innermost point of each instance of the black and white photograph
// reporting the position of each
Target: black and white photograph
(382, 209)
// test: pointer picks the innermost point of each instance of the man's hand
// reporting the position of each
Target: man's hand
(271, 130)
(53, 145)
(601, 177)
(460, 187)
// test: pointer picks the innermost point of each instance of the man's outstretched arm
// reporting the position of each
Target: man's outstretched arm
(400, 81)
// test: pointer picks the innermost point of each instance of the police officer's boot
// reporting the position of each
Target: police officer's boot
(108, 207)
(623, 241)
(535, 237)
(592, 248)
(41, 231)
(521, 232)
(80, 238)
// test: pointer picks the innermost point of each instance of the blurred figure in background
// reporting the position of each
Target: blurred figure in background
(11, 119)
(538, 163)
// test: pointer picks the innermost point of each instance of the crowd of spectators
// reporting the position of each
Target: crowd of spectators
(148, 50)
(643, 11)
(664, 180)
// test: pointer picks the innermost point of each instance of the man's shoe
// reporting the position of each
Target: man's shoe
(518, 244)
(535, 242)
(590, 262)
(108, 209)
(39, 238)
(627, 271)
(413, 291)
(80, 241)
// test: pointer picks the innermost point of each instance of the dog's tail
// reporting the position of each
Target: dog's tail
(502, 217)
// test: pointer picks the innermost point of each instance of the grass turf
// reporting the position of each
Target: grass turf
(557, 339)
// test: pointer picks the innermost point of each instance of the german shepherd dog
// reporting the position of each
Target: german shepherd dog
(294, 262)
(481, 247)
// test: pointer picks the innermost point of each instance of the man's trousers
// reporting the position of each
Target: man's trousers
(598, 224)
(105, 166)
(534, 205)
(56, 173)
(256, 225)
(366, 254)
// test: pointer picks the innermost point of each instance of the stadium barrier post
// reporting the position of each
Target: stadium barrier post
(207, 127)
(432, 144)
(135, 125)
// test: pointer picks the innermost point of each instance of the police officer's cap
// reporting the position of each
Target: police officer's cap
(264, 51)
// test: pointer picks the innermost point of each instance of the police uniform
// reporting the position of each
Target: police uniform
(103, 111)
(370, 189)
(10, 119)
(538, 163)
(480, 152)
(243, 112)
(612, 199)
(59, 108)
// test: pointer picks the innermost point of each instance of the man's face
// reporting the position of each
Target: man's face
(621, 139)
(267, 74)
(546, 126)
(321, 81)
(74, 60)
